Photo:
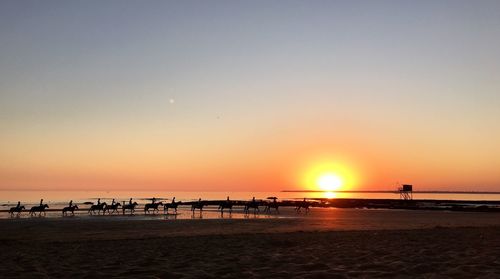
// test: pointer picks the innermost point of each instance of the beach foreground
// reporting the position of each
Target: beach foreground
(302, 247)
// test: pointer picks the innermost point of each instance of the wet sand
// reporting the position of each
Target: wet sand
(323, 244)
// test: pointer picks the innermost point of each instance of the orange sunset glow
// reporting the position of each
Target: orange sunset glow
(330, 176)
(249, 139)
(249, 108)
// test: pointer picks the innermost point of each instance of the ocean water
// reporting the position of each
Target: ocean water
(10, 198)
(60, 199)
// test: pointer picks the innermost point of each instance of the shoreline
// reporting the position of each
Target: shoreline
(320, 219)
(356, 203)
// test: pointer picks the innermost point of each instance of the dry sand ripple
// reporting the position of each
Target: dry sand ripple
(243, 249)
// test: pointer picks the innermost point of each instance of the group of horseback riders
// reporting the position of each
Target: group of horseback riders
(253, 204)
(112, 208)
(154, 206)
(35, 209)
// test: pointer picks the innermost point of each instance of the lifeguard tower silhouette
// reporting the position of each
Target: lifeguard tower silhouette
(406, 192)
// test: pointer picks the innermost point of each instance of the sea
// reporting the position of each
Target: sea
(60, 199)
(9, 197)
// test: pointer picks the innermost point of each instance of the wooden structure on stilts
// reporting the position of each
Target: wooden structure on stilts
(406, 192)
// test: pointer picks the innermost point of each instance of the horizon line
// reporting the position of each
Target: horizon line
(392, 191)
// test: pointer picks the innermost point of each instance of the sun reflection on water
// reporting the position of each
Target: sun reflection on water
(329, 195)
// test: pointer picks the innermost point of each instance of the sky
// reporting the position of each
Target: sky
(249, 95)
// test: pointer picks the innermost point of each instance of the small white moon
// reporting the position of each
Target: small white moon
(171, 101)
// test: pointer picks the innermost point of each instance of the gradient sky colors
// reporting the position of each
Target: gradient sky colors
(265, 92)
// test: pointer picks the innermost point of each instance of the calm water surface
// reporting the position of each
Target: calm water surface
(60, 199)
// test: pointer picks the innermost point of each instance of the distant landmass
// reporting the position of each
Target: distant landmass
(393, 191)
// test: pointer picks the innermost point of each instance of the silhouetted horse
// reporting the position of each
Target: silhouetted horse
(98, 207)
(270, 205)
(112, 208)
(17, 210)
(153, 206)
(130, 207)
(303, 204)
(225, 204)
(252, 204)
(39, 208)
(172, 205)
(197, 205)
(69, 209)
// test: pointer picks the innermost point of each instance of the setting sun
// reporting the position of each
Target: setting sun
(329, 182)
(329, 175)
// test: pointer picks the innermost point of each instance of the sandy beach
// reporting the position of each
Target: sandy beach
(323, 244)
